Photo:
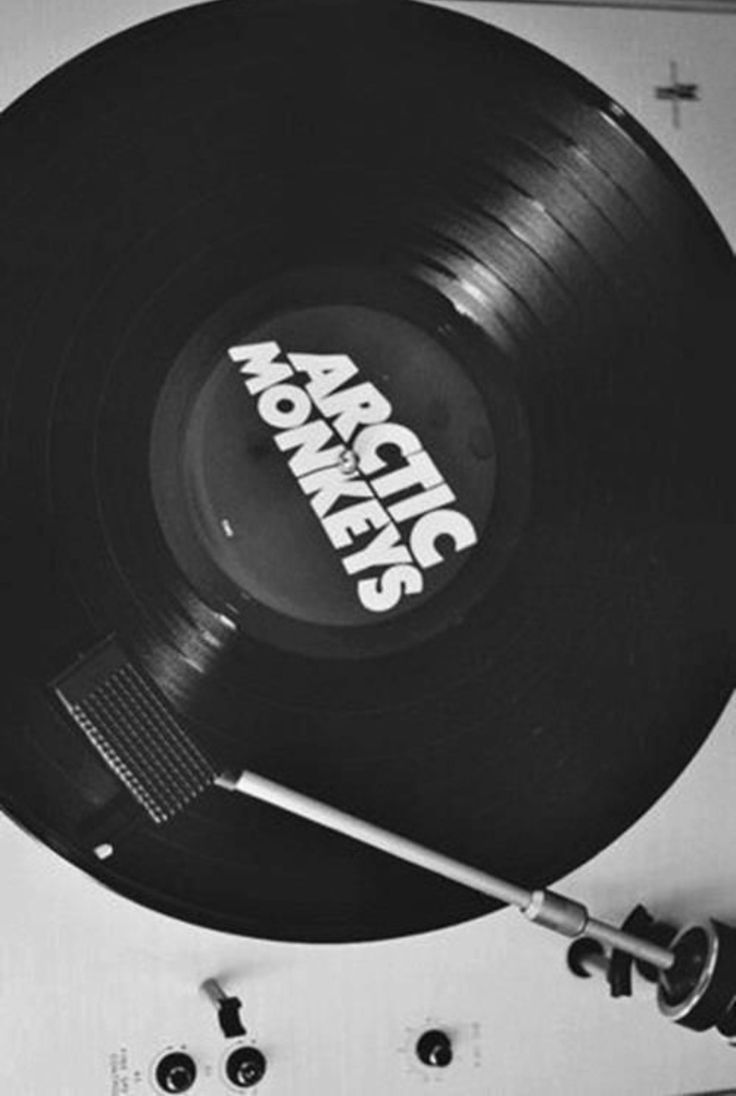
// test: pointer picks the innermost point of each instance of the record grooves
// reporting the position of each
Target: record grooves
(447, 259)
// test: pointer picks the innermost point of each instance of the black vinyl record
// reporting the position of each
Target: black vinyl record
(367, 375)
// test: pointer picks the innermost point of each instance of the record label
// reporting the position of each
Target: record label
(336, 466)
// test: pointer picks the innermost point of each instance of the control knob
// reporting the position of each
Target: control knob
(176, 1072)
(245, 1067)
(434, 1048)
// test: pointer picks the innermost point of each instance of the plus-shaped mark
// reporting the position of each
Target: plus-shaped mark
(677, 93)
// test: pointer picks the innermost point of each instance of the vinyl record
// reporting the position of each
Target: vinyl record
(367, 376)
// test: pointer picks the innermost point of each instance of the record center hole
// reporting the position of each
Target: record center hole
(348, 463)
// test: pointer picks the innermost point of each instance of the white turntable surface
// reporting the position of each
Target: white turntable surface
(94, 989)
